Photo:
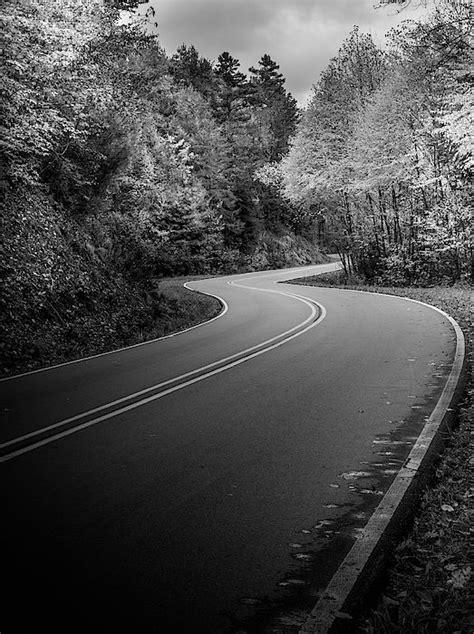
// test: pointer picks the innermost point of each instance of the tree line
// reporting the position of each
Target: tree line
(383, 153)
(121, 164)
(154, 154)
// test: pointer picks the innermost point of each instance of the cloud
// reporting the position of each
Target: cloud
(300, 35)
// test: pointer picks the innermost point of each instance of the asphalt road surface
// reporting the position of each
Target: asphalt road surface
(213, 480)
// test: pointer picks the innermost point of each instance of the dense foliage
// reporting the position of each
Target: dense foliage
(161, 151)
(383, 153)
(121, 165)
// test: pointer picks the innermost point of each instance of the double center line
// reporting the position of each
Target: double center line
(29, 442)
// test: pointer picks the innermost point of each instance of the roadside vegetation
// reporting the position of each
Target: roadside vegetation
(383, 153)
(429, 585)
(122, 165)
(383, 156)
(115, 316)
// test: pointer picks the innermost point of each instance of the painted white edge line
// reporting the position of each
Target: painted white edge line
(250, 353)
(333, 266)
(157, 386)
(224, 310)
(331, 602)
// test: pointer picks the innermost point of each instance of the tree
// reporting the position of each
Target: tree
(69, 73)
(277, 109)
(190, 69)
(381, 150)
(233, 97)
(316, 171)
(43, 46)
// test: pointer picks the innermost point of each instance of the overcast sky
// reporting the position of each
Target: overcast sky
(300, 35)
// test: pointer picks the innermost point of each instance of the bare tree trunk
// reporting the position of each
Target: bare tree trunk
(437, 166)
(343, 260)
(412, 229)
(397, 227)
(376, 235)
(350, 232)
(383, 217)
(417, 169)
(348, 214)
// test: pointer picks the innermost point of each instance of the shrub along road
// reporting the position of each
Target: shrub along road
(214, 479)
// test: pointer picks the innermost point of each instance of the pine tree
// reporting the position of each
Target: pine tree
(278, 110)
(190, 69)
(233, 96)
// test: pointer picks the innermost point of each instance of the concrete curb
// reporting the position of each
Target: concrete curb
(362, 567)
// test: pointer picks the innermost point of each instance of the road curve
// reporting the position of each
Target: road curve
(212, 481)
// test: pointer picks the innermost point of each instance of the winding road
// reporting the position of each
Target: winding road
(212, 481)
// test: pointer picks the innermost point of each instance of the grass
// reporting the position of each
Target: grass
(429, 587)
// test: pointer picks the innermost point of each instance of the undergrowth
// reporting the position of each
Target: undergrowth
(116, 316)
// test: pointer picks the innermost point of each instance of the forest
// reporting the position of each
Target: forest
(383, 153)
(123, 165)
